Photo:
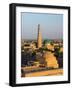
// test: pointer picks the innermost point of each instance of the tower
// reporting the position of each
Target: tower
(39, 38)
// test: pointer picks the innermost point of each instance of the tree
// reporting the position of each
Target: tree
(57, 51)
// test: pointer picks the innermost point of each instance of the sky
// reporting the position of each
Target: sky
(51, 25)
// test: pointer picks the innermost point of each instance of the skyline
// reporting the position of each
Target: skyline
(51, 25)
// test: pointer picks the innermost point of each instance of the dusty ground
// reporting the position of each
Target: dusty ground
(44, 73)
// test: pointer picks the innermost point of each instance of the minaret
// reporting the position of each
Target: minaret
(39, 38)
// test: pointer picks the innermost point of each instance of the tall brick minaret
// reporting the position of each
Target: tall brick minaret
(39, 38)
